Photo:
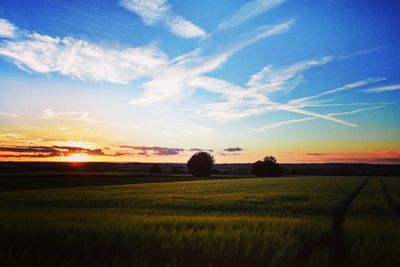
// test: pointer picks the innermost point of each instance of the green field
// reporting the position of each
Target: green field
(294, 221)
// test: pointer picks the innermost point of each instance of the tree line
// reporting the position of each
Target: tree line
(201, 165)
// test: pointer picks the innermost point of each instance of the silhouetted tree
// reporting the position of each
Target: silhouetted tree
(266, 168)
(270, 159)
(155, 169)
(200, 164)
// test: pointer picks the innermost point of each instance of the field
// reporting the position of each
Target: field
(291, 221)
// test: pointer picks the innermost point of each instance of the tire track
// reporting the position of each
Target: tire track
(334, 241)
(395, 210)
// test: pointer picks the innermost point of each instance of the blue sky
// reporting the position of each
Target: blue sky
(288, 78)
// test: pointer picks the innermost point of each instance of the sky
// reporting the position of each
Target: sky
(158, 80)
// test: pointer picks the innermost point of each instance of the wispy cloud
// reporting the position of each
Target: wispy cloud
(248, 11)
(287, 122)
(316, 115)
(272, 79)
(261, 32)
(7, 29)
(148, 151)
(303, 101)
(185, 73)
(233, 149)
(7, 114)
(375, 157)
(363, 52)
(159, 11)
(162, 79)
(81, 117)
(318, 104)
(81, 59)
(243, 102)
(382, 89)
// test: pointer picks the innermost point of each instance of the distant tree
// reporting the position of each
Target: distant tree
(155, 169)
(176, 170)
(266, 168)
(215, 171)
(200, 164)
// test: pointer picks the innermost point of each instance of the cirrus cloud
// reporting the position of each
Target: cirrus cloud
(382, 89)
(7, 29)
(248, 11)
(159, 11)
(80, 59)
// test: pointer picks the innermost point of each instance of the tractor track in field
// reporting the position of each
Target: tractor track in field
(395, 210)
(334, 240)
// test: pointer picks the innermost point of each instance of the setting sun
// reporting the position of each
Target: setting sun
(77, 158)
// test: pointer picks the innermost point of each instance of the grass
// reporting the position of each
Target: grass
(229, 222)
(11, 181)
(371, 230)
(393, 187)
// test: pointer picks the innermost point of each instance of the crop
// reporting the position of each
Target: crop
(229, 222)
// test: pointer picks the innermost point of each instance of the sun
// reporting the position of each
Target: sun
(77, 158)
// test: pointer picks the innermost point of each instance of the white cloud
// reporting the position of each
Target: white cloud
(261, 32)
(184, 28)
(287, 122)
(317, 104)
(165, 80)
(82, 60)
(237, 102)
(151, 11)
(81, 117)
(316, 115)
(159, 11)
(304, 100)
(185, 73)
(7, 114)
(241, 102)
(271, 79)
(382, 89)
(248, 11)
(7, 29)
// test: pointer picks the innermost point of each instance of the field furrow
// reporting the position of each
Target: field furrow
(389, 200)
(332, 242)
(370, 230)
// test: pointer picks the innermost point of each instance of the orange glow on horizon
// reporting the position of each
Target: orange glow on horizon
(77, 158)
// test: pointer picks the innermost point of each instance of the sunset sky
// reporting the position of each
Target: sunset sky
(157, 80)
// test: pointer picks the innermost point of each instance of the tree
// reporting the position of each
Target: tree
(267, 168)
(155, 169)
(200, 164)
(270, 159)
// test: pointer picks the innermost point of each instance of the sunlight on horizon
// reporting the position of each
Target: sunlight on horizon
(77, 158)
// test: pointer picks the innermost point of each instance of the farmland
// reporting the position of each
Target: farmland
(291, 221)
